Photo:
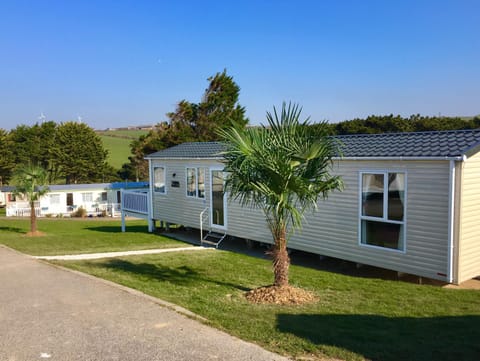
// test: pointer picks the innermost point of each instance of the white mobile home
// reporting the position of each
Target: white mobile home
(411, 202)
(97, 199)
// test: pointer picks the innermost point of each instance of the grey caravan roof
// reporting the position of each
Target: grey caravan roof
(437, 144)
(193, 150)
(453, 144)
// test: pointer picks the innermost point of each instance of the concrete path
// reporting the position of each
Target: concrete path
(51, 313)
(76, 257)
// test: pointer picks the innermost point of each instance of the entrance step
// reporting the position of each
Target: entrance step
(213, 239)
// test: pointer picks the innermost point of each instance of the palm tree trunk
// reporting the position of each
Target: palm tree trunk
(33, 218)
(281, 259)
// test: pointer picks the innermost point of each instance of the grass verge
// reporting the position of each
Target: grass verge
(71, 236)
(354, 319)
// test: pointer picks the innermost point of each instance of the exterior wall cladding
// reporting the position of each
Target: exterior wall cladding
(333, 229)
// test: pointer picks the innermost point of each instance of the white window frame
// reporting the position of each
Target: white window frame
(383, 219)
(164, 179)
(197, 189)
(86, 195)
(225, 197)
(56, 197)
(106, 197)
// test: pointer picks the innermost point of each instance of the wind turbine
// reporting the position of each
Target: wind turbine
(42, 117)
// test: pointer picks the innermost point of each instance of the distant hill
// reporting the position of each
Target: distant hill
(117, 142)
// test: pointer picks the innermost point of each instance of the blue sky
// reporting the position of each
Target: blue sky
(116, 63)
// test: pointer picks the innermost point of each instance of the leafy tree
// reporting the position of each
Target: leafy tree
(219, 109)
(282, 168)
(30, 182)
(79, 154)
(395, 123)
(35, 145)
(7, 159)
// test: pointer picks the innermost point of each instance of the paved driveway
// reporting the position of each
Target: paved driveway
(52, 314)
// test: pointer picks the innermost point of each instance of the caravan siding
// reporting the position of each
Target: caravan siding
(333, 230)
(469, 230)
(174, 206)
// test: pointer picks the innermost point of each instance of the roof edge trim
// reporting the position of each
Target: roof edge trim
(458, 158)
(181, 158)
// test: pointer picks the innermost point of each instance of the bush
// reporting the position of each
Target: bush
(80, 213)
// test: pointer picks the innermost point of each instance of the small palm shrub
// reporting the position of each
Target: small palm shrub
(80, 213)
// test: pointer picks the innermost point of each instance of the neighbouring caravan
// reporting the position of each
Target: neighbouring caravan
(97, 199)
(411, 202)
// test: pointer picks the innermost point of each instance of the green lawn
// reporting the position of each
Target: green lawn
(354, 319)
(68, 236)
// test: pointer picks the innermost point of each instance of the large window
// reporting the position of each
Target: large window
(382, 215)
(159, 179)
(196, 182)
(87, 197)
(54, 198)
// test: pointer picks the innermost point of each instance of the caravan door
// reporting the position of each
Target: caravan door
(218, 204)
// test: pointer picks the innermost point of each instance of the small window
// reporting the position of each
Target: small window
(159, 179)
(191, 182)
(54, 199)
(382, 216)
(104, 196)
(87, 197)
(69, 199)
(196, 182)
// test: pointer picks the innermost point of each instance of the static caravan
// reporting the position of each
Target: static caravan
(411, 202)
(96, 199)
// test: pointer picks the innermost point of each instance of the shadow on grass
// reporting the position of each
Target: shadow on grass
(387, 338)
(182, 276)
(13, 230)
(118, 229)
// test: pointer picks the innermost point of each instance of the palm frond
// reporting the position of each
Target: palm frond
(283, 168)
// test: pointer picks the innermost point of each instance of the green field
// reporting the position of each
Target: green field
(118, 150)
(132, 134)
(117, 142)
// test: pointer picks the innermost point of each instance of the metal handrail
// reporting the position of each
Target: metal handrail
(202, 213)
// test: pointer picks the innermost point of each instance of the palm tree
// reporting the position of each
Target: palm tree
(282, 168)
(31, 183)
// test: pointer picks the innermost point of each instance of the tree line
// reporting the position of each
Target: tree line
(395, 124)
(70, 152)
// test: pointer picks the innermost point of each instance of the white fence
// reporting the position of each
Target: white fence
(22, 209)
(135, 202)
